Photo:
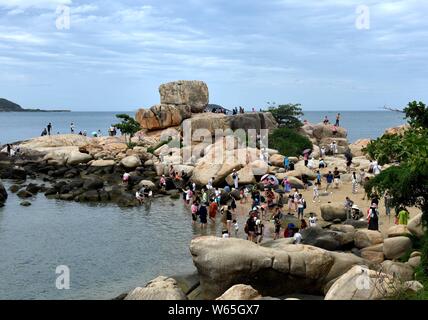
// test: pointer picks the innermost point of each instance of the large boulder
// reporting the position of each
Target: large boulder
(246, 176)
(277, 160)
(321, 131)
(102, 163)
(76, 157)
(361, 283)
(400, 270)
(283, 269)
(131, 162)
(255, 121)
(327, 239)
(367, 238)
(162, 116)
(204, 126)
(191, 93)
(357, 147)
(396, 247)
(415, 226)
(161, 288)
(397, 231)
(3, 194)
(333, 211)
(240, 292)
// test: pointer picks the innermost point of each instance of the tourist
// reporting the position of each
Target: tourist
(291, 166)
(337, 124)
(277, 222)
(139, 196)
(260, 229)
(311, 163)
(290, 202)
(225, 234)
(286, 164)
(44, 132)
(312, 220)
(72, 127)
(9, 150)
(280, 201)
(318, 177)
(162, 182)
(322, 164)
(203, 215)
(235, 178)
(301, 207)
(376, 168)
(49, 127)
(125, 178)
(316, 193)
(194, 209)
(189, 196)
(370, 170)
(336, 175)
(296, 198)
(326, 121)
(286, 184)
(373, 217)
(85, 133)
(348, 157)
(233, 205)
(354, 183)
(210, 183)
(403, 217)
(213, 210)
(217, 194)
(99, 133)
(330, 179)
(303, 224)
(250, 228)
(297, 237)
(306, 158)
(204, 196)
(235, 228)
(388, 201)
(348, 207)
(333, 148)
(362, 175)
(322, 152)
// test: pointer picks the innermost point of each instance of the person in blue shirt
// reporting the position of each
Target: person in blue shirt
(318, 177)
(286, 163)
(330, 179)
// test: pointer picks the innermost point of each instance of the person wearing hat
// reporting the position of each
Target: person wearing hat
(373, 217)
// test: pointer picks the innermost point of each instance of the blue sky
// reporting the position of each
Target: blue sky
(116, 53)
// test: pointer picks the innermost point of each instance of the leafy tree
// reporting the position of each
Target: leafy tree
(407, 180)
(417, 114)
(287, 115)
(289, 142)
(129, 126)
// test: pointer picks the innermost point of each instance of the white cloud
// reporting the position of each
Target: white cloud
(40, 4)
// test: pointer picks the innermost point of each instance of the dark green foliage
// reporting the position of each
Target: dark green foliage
(287, 115)
(129, 126)
(417, 114)
(289, 142)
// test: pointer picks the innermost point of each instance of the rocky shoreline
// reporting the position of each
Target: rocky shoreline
(332, 256)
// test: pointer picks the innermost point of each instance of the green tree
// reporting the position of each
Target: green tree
(289, 142)
(287, 115)
(407, 180)
(417, 114)
(128, 126)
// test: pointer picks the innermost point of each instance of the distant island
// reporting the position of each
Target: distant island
(9, 106)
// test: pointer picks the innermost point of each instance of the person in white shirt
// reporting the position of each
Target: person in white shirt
(376, 168)
(311, 163)
(297, 238)
(312, 220)
(235, 179)
(139, 197)
(322, 151)
(210, 184)
(316, 194)
(235, 227)
(225, 234)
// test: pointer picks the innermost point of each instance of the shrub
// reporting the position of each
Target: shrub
(289, 142)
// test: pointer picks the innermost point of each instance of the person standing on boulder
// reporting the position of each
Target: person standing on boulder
(329, 179)
(49, 127)
(72, 128)
(286, 164)
(337, 124)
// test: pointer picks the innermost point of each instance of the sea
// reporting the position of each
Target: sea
(104, 249)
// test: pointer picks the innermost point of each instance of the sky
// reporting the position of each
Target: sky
(113, 55)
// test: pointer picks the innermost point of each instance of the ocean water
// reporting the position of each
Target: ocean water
(21, 126)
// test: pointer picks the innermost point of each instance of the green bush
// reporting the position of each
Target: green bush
(289, 142)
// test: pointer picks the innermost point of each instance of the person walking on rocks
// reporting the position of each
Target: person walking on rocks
(286, 164)
(312, 220)
(301, 207)
(336, 175)
(373, 217)
(329, 179)
(354, 183)
(316, 193)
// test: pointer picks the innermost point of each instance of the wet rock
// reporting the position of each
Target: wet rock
(3, 194)
(93, 184)
(14, 188)
(24, 194)
(33, 188)
(161, 288)
(25, 203)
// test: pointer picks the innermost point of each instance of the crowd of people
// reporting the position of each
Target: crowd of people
(48, 130)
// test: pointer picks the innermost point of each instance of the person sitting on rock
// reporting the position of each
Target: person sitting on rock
(125, 178)
(139, 196)
(162, 182)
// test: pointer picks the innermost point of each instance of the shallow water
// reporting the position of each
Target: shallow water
(108, 250)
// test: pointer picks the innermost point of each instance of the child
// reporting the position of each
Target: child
(225, 234)
(236, 227)
(312, 220)
(194, 210)
(316, 193)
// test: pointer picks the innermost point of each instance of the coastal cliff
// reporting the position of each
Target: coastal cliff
(9, 106)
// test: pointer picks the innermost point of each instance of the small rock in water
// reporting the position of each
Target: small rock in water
(25, 203)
